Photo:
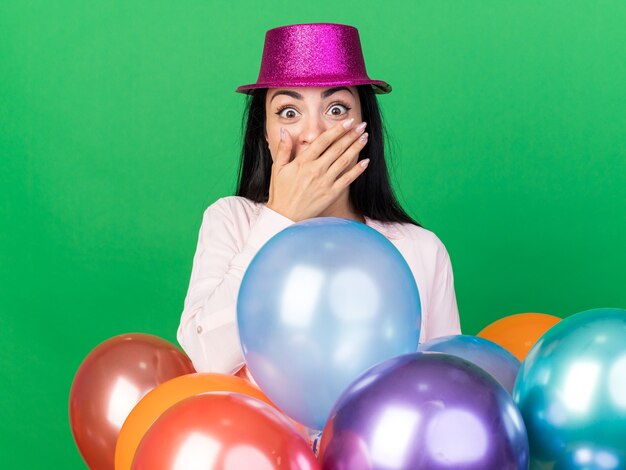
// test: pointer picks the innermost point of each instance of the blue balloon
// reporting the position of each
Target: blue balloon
(493, 358)
(571, 390)
(322, 301)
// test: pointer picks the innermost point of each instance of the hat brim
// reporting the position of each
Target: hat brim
(380, 87)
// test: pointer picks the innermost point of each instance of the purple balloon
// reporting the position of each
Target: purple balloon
(497, 361)
(425, 411)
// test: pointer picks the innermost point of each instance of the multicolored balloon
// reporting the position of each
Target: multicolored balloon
(111, 380)
(223, 431)
(494, 359)
(425, 411)
(321, 302)
(571, 390)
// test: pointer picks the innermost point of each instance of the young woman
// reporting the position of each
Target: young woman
(313, 147)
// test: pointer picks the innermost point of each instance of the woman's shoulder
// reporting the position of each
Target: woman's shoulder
(407, 231)
(419, 243)
(232, 215)
(235, 206)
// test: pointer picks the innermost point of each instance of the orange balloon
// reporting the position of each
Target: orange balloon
(518, 333)
(220, 430)
(166, 395)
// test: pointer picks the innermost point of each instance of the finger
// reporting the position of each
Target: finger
(337, 149)
(283, 153)
(348, 157)
(346, 179)
(325, 140)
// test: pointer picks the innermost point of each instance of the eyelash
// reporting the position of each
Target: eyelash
(287, 106)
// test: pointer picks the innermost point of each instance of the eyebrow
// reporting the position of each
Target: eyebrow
(298, 96)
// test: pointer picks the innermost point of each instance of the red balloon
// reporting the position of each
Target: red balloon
(225, 431)
(110, 382)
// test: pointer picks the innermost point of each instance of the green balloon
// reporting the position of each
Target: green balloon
(571, 390)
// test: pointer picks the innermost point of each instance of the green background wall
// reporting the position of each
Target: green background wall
(119, 125)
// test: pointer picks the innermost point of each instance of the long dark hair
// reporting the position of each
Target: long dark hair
(371, 193)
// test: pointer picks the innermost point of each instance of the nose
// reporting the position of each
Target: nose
(312, 127)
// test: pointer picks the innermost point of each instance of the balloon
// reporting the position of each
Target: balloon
(571, 390)
(308, 433)
(155, 403)
(494, 359)
(111, 380)
(518, 333)
(424, 411)
(322, 301)
(225, 431)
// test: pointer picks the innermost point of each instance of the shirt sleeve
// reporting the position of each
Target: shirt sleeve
(208, 328)
(443, 312)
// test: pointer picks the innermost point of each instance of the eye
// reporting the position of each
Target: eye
(285, 108)
(338, 106)
(289, 112)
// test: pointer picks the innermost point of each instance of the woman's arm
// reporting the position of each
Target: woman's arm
(443, 317)
(208, 328)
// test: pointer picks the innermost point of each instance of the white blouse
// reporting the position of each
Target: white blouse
(234, 228)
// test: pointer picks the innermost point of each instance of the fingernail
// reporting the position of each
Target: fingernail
(348, 123)
(282, 134)
(364, 163)
(363, 138)
(361, 127)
